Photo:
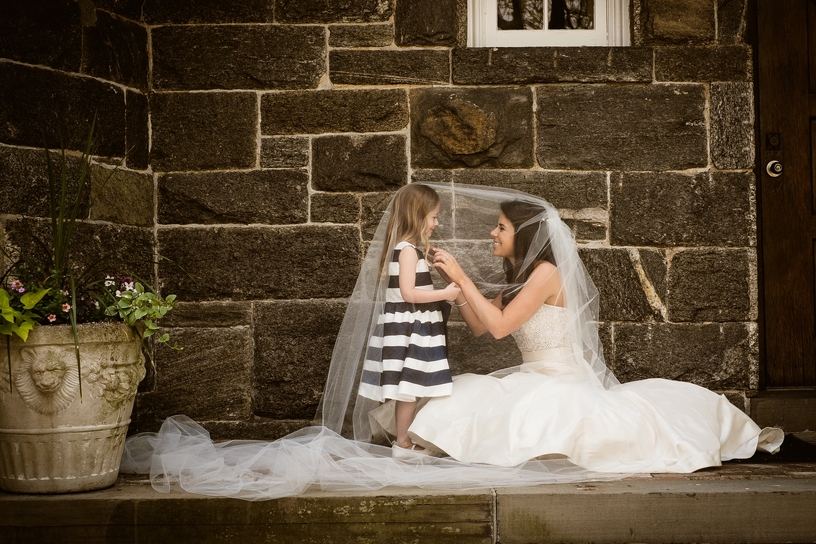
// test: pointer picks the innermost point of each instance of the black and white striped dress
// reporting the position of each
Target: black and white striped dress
(407, 356)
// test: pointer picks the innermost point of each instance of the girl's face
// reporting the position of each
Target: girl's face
(503, 236)
(432, 221)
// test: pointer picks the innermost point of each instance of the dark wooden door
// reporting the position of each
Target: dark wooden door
(786, 32)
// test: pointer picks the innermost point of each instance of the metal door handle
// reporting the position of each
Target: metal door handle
(774, 168)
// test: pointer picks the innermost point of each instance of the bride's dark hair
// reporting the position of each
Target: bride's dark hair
(520, 212)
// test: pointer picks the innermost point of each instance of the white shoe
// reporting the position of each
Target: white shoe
(410, 454)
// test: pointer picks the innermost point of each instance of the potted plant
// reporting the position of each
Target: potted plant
(71, 350)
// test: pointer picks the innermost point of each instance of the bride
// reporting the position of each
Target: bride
(559, 416)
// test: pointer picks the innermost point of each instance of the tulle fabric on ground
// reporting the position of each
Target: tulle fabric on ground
(182, 456)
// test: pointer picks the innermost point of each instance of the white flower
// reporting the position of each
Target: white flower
(118, 293)
(109, 283)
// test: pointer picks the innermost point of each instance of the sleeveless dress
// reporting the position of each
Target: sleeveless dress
(555, 406)
(407, 355)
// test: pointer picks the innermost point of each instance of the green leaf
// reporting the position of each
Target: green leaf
(170, 298)
(22, 329)
(148, 332)
(140, 313)
(163, 338)
(31, 299)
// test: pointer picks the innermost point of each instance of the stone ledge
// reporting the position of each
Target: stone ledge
(734, 503)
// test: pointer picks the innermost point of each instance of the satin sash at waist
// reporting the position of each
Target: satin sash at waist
(564, 362)
(549, 354)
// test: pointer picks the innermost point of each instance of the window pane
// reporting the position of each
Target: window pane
(520, 14)
(569, 14)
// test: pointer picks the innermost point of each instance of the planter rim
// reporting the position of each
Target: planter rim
(86, 332)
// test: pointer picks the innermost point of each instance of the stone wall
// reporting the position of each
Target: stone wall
(265, 137)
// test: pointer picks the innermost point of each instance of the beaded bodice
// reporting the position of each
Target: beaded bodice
(546, 329)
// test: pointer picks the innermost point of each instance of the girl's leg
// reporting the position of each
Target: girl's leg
(405, 412)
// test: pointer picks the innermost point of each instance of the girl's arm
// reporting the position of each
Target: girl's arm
(407, 282)
(482, 315)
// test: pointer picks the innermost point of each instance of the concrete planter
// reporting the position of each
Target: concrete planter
(51, 440)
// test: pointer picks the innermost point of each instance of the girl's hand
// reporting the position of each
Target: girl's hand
(451, 292)
(447, 265)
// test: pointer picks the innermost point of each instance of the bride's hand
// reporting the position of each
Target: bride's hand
(447, 265)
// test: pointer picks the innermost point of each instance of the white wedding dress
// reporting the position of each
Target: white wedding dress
(554, 405)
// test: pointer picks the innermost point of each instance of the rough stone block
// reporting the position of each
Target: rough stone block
(257, 428)
(258, 196)
(132, 9)
(432, 176)
(201, 131)
(372, 208)
(335, 208)
(36, 101)
(665, 127)
(525, 65)
(428, 22)
(100, 247)
(451, 128)
(46, 32)
(731, 21)
(479, 354)
(389, 67)
(370, 35)
(732, 125)
(284, 152)
(683, 21)
(238, 57)
(359, 163)
(293, 348)
(713, 63)
(204, 315)
(331, 11)
(674, 209)
(716, 356)
(621, 291)
(137, 138)
(159, 12)
(580, 196)
(209, 379)
(115, 49)
(570, 190)
(654, 265)
(24, 181)
(315, 112)
(711, 285)
(245, 263)
(121, 196)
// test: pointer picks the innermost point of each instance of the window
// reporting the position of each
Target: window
(530, 23)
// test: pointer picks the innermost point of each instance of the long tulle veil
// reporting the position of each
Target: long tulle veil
(336, 453)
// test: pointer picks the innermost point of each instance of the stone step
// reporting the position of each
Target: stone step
(791, 409)
(736, 503)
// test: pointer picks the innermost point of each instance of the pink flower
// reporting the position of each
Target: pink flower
(21, 290)
(66, 307)
(65, 293)
(16, 285)
(52, 318)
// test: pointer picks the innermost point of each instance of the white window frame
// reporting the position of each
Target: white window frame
(611, 28)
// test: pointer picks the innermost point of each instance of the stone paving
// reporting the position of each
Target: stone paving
(763, 499)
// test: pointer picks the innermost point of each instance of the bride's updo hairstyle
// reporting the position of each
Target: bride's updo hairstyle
(530, 228)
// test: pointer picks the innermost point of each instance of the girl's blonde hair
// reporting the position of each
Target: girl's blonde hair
(412, 204)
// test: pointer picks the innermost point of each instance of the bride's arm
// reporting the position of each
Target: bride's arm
(482, 315)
